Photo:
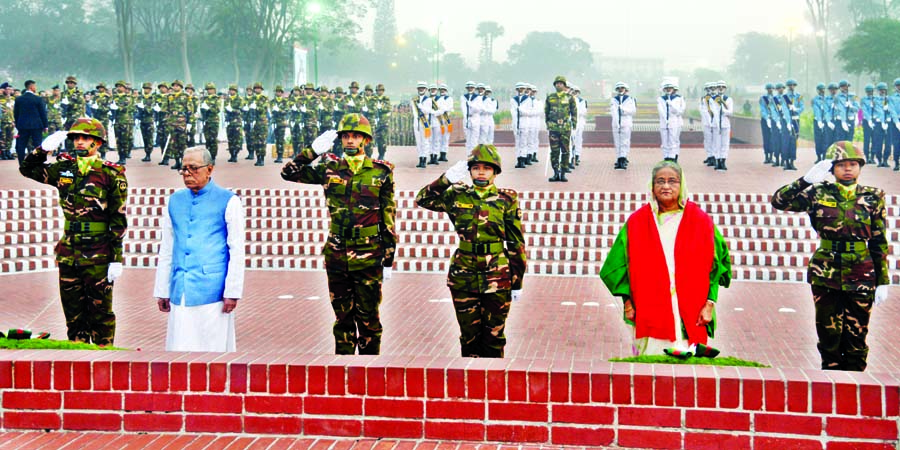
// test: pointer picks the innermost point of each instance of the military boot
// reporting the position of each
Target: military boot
(165, 161)
(769, 159)
(122, 157)
(896, 166)
(233, 158)
(381, 155)
(249, 155)
(534, 157)
(146, 157)
(562, 176)
(555, 176)
(520, 163)
(433, 160)
(527, 160)
(279, 158)
(577, 160)
(443, 157)
(776, 161)
(260, 159)
(620, 164)
(421, 164)
(177, 165)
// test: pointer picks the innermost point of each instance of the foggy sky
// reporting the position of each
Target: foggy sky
(687, 33)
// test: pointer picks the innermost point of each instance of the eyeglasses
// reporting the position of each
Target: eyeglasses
(191, 169)
(662, 182)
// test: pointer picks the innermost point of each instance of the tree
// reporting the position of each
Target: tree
(543, 55)
(125, 25)
(872, 48)
(756, 57)
(488, 31)
(385, 33)
(820, 13)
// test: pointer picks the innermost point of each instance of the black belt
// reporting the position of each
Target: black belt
(843, 246)
(481, 248)
(85, 227)
(355, 232)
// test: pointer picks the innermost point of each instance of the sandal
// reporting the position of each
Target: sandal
(706, 351)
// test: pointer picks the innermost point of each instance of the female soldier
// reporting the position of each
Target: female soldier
(849, 269)
(486, 271)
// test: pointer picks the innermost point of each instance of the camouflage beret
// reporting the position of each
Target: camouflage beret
(147, 85)
(190, 86)
(278, 88)
(121, 83)
(233, 87)
(71, 79)
(368, 87)
(163, 84)
(257, 85)
(210, 86)
(339, 90)
(297, 88)
(379, 87)
(354, 84)
(101, 85)
(309, 86)
(323, 88)
(178, 82)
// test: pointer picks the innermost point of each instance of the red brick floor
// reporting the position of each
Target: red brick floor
(558, 318)
(98, 441)
(746, 172)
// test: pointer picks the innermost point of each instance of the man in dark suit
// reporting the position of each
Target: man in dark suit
(30, 115)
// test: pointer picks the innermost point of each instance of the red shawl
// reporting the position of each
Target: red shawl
(649, 277)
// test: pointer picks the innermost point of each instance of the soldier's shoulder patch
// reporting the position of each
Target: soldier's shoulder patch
(122, 185)
(113, 165)
(509, 193)
(384, 163)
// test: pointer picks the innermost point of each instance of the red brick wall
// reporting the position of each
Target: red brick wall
(449, 399)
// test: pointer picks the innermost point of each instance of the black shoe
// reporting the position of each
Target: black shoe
(708, 160)
(712, 162)
(249, 157)
(720, 165)
(279, 158)
(233, 159)
(668, 159)
(577, 160)
(146, 158)
(896, 166)
(121, 161)
(676, 158)
(626, 161)
(534, 157)
(433, 160)
(555, 176)
(620, 164)
(381, 156)
(562, 176)
(421, 164)
(527, 160)
(443, 157)
(165, 161)
(768, 159)
(177, 166)
(520, 163)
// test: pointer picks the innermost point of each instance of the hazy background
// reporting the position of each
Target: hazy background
(398, 42)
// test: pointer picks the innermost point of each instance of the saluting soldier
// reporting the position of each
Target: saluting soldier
(359, 252)
(560, 113)
(849, 270)
(487, 270)
(247, 117)
(192, 117)
(92, 194)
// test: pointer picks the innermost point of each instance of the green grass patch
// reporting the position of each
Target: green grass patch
(50, 344)
(666, 359)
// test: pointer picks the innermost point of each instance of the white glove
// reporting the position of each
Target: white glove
(140, 105)
(831, 125)
(113, 106)
(324, 142)
(114, 272)
(790, 127)
(847, 104)
(516, 294)
(204, 106)
(189, 126)
(335, 108)
(387, 273)
(821, 124)
(457, 172)
(769, 123)
(156, 108)
(778, 125)
(871, 124)
(65, 101)
(365, 109)
(884, 126)
(93, 105)
(229, 108)
(350, 103)
(246, 108)
(792, 108)
(897, 124)
(818, 172)
(844, 126)
(881, 294)
(57, 106)
(303, 108)
(293, 107)
(885, 107)
(321, 107)
(276, 108)
(52, 142)
(253, 105)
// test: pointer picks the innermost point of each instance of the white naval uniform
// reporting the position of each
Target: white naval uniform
(436, 131)
(622, 109)
(580, 122)
(705, 107)
(721, 126)
(670, 112)
(422, 103)
(489, 107)
(446, 104)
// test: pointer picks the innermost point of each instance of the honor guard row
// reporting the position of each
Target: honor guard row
(431, 108)
(716, 108)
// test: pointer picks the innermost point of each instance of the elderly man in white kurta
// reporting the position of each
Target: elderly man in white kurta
(200, 271)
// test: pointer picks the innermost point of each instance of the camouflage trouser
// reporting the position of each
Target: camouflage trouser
(355, 298)
(842, 323)
(235, 138)
(381, 140)
(297, 138)
(310, 133)
(162, 135)
(147, 136)
(258, 139)
(279, 132)
(248, 138)
(6, 136)
(482, 319)
(192, 135)
(124, 138)
(177, 142)
(87, 303)
(559, 150)
(211, 136)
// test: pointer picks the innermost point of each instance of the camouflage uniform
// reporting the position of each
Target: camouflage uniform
(560, 112)
(93, 205)
(162, 132)
(233, 122)
(192, 117)
(260, 124)
(490, 261)
(73, 107)
(124, 123)
(100, 111)
(280, 120)
(849, 264)
(144, 104)
(362, 239)
(295, 101)
(179, 109)
(210, 118)
(380, 108)
(7, 125)
(248, 119)
(355, 101)
(310, 110)
(54, 114)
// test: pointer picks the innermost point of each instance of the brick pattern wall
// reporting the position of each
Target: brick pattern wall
(517, 401)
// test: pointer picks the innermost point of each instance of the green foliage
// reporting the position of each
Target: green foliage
(759, 57)
(50, 344)
(666, 359)
(872, 48)
(544, 55)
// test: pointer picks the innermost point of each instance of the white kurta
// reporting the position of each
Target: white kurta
(203, 328)
(668, 230)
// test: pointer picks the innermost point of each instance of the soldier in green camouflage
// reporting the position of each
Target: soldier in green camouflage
(92, 194)
(380, 109)
(359, 252)
(179, 108)
(246, 116)
(7, 122)
(259, 117)
(280, 107)
(100, 111)
(849, 270)
(162, 133)
(355, 100)
(192, 118)
(54, 111)
(487, 270)
(233, 122)
(560, 113)
(295, 101)
(210, 107)
(310, 111)
(72, 106)
(122, 111)
(144, 104)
